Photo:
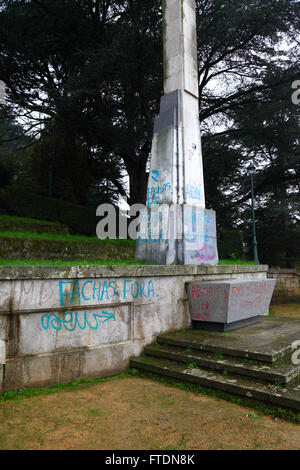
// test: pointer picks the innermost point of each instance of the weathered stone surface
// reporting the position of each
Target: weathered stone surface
(2, 352)
(188, 237)
(267, 341)
(176, 174)
(287, 288)
(68, 365)
(61, 323)
(200, 237)
(66, 330)
(225, 362)
(229, 302)
(247, 387)
(31, 248)
(282, 372)
(224, 272)
(180, 46)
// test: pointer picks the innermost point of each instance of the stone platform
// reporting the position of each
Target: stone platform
(226, 306)
(254, 361)
(65, 323)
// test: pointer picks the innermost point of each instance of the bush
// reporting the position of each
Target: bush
(23, 203)
(230, 245)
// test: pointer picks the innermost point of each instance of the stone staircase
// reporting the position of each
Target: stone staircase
(254, 361)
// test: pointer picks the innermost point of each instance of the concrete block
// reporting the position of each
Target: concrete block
(173, 42)
(230, 303)
(2, 352)
(200, 242)
(189, 15)
(171, 12)
(176, 174)
(194, 243)
(54, 329)
(173, 66)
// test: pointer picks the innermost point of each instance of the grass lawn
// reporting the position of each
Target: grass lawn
(63, 238)
(128, 262)
(235, 262)
(47, 262)
(285, 310)
(133, 411)
(12, 218)
(78, 239)
(25, 235)
(136, 411)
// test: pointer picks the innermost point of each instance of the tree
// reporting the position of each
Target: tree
(87, 73)
(56, 76)
(237, 42)
(13, 142)
(96, 74)
(268, 134)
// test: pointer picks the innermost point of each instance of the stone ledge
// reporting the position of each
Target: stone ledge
(239, 385)
(39, 249)
(284, 271)
(82, 272)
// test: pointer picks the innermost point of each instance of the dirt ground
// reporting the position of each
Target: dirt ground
(140, 414)
(286, 310)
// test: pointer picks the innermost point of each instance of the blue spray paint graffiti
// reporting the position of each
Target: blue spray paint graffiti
(193, 192)
(155, 175)
(93, 291)
(99, 291)
(70, 321)
(158, 194)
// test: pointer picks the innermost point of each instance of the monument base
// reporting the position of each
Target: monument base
(224, 327)
(175, 227)
(178, 234)
(228, 305)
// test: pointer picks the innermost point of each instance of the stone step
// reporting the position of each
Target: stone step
(276, 373)
(267, 341)
(247, 387)
(211, 346)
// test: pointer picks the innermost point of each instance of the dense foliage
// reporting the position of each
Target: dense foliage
(85, 77)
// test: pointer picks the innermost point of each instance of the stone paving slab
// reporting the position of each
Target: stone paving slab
(86, 272)
(286, 397)
(283, 373)
(267, 341)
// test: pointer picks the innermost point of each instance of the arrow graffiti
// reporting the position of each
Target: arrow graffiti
(106, 315)
(71, 320)
(155, 174)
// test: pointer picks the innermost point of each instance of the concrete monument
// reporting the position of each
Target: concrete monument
(225, 306)
(2, 92)
(177, 228)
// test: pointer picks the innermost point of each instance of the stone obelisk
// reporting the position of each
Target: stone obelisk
(2, 92)
(177, 229)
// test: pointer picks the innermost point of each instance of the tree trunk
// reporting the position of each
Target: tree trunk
(138, 178)
(138, 187)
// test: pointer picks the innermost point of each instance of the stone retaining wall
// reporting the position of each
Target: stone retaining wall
(31, 248)
(287, 289)
(68, 323)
